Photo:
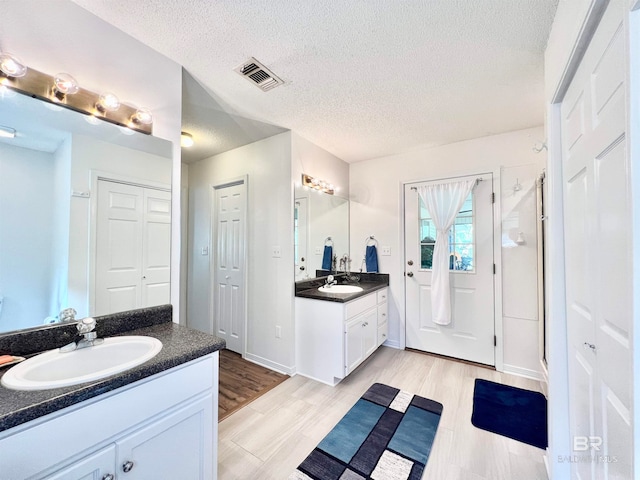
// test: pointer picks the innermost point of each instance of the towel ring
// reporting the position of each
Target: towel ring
(328, 242)
(369, 239)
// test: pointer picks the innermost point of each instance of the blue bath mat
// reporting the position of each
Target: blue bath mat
(388, 433)
(511, 412)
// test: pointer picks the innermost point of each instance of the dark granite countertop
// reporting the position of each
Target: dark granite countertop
(179, 345)
(370, 282)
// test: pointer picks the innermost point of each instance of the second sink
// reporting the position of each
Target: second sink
(340, 289)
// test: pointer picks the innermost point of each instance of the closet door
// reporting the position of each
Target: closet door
(156, 248)
(118, 247)
(133, 247)
(597, 219)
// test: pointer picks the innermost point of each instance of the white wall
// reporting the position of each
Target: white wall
(60, 36)
(61, 206)
(267, 163)
(376, 209)
(26, 209)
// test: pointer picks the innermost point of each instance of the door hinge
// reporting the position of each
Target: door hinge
(494, 268)
(495, 341)
(493, 197)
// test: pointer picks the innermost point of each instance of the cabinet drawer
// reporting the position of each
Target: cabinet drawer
(383, 332)
(358, 306)
(382, 313)
(382, 295)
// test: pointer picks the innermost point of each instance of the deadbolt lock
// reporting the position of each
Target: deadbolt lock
(410, 262)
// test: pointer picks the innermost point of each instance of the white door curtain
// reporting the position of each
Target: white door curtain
(443, 202)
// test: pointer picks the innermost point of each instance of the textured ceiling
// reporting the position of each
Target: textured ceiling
(363, 78)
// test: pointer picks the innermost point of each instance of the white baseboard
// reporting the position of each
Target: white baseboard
(523, 372)
(263, 362)
(392, 344)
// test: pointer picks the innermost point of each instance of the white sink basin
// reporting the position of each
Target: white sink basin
(54, 369)
(340, 289)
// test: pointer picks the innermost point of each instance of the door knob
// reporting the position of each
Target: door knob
(409, 274)
(108, 476)
(410, 262)
(302, 267)
(127, 466)
(591, 346)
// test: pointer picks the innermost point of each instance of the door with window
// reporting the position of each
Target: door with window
(470, 335)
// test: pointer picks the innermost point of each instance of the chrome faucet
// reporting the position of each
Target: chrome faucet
(330, 281)
(86, 328)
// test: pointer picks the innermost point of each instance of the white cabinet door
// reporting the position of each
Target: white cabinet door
(97, 466)
(370, 332)
(174, 447)
(361, 338)
(353, 353)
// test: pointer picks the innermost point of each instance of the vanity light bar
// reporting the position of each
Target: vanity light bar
(317, 184)
(43, 86)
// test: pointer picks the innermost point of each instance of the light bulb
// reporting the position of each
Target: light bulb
(142, 116)
(12, 66)
(65, 84)
(108, 102)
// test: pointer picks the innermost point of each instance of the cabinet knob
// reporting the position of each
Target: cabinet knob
(127, 466)
(108, 476)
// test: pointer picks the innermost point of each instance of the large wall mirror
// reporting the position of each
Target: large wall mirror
(320, 221)
(85, 215)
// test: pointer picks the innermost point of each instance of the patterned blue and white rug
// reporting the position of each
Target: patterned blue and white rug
(387, 435)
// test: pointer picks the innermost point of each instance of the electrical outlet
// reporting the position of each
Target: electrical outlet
(318, 250)
(386, 251)
(278, 331)
(276, 251)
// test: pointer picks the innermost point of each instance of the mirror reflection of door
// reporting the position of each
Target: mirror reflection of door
(133, 247)
(300, 235)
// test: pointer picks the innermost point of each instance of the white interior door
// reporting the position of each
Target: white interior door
(598, 266)
(229, 265)
(118, 247)
(156, 248)
(133, 247)
(470, 335)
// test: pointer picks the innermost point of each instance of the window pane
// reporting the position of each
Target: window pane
(461, 238)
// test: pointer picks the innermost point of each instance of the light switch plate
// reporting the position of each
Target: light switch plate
(386, 251)
(204, 251)
(276, 251)
(318, 250)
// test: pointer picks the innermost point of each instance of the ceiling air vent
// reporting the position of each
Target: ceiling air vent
(258, 74)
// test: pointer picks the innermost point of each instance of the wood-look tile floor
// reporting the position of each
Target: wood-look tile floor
(271, 436)
(241, 382)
